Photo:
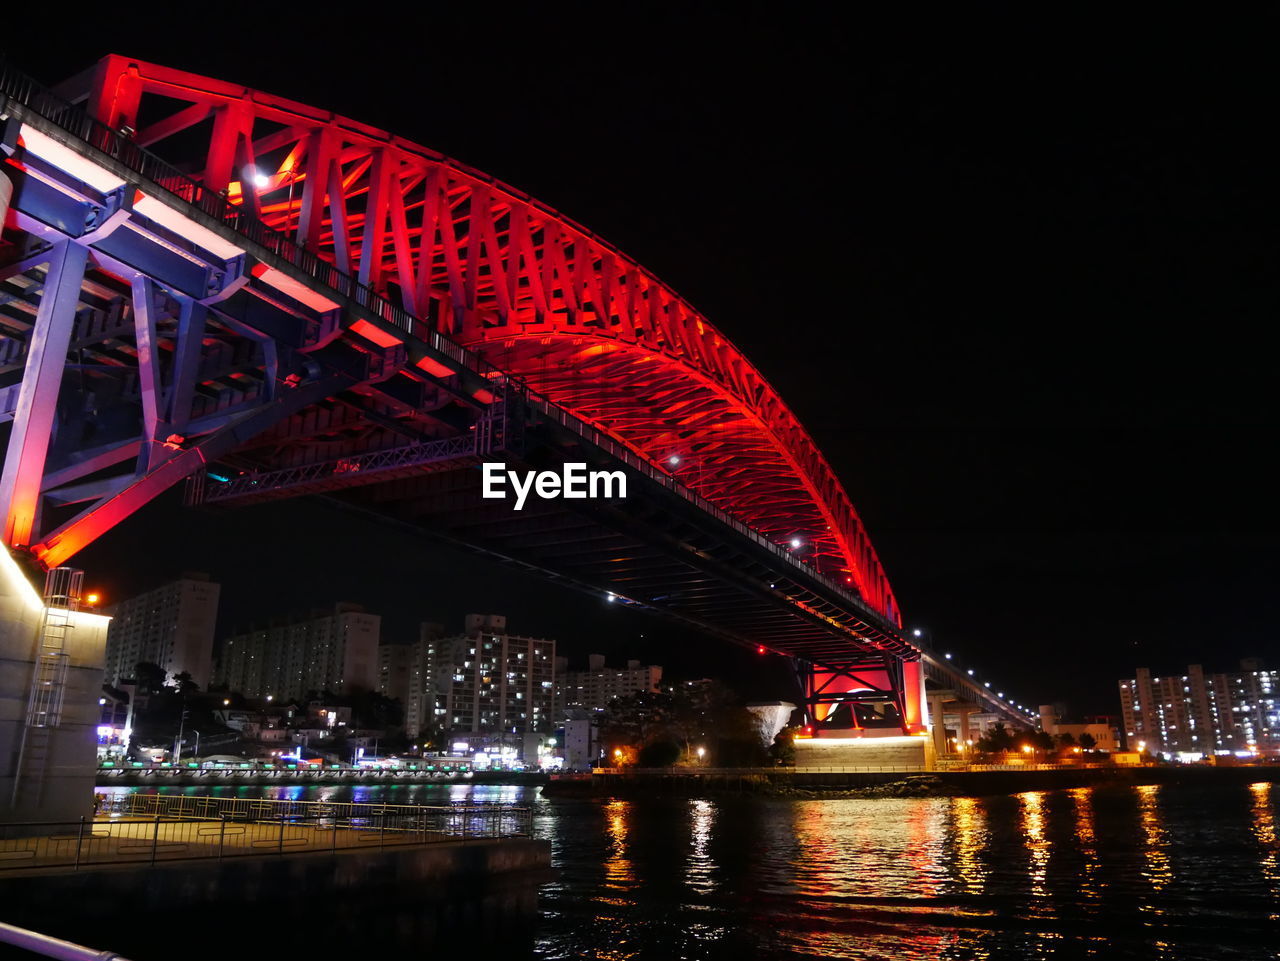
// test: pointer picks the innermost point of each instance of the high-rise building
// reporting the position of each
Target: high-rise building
(334, 650)
(395, 670)
(595, 687)
(429, 672)
(1195, 713)
(483, 681)
(171, 626)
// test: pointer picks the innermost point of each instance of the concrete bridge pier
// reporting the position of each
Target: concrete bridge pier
(48, 723)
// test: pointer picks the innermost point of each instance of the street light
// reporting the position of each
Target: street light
(702, 752)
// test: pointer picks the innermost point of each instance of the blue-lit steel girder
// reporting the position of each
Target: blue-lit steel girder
(33, 421)
(179, 356)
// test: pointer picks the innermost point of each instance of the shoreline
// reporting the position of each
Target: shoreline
(798, 785)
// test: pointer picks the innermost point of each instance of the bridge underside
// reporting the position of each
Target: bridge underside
(153, 335)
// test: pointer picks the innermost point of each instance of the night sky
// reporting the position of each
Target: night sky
(1009, 274)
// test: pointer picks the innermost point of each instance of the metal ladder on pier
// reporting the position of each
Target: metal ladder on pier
(62, 588)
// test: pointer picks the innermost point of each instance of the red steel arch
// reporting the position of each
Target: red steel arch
(530, 290)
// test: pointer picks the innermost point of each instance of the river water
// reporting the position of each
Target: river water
(1179, 872)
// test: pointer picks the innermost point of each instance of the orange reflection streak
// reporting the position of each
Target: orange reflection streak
(1264, 829)
(1087, 840)
(701, 866)
(926, 826)
(617, 867)
(1159, 869)
(969, 827)
(814, 833)
(1037, 842)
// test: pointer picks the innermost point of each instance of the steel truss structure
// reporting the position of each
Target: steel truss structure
(300, 303)
(533, 292)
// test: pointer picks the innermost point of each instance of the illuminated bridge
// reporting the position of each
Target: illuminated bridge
(292, 302)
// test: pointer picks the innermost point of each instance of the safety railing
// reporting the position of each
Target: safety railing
(147, 829)
(50, 947)
(17, 87)
(466, 820)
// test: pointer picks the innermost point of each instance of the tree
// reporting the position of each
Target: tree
(185, 684)
(783, 749)
(659, 754)
(151, 677)
(373, 710)
(692, 716)
(1087, 741)
(997, 738)
(1041, 740)
(1065, 739)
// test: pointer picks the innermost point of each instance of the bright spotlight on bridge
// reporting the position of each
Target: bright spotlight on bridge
(795, 543)
(948, 657)
(256, 177)
(673, 459)
(917, 632)
(611, 598)
(986, 683)
(971, 672)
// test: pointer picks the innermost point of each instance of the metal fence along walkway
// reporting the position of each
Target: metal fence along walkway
(148, 828)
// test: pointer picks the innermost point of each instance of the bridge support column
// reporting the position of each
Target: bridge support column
(938, 723)
(915, 707)
(47, 771)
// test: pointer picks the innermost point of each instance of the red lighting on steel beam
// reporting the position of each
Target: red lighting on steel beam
(530, 290)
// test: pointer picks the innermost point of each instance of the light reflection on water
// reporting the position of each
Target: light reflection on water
(968, 828)
(617, 868)
(1264, 829)
(1116, 872)
(1159, 869)
(1036, 839)
(1086, 842)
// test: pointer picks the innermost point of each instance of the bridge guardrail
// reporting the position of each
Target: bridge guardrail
(16, 86)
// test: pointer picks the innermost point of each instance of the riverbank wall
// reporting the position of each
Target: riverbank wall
(480, 893)
(802, 783)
